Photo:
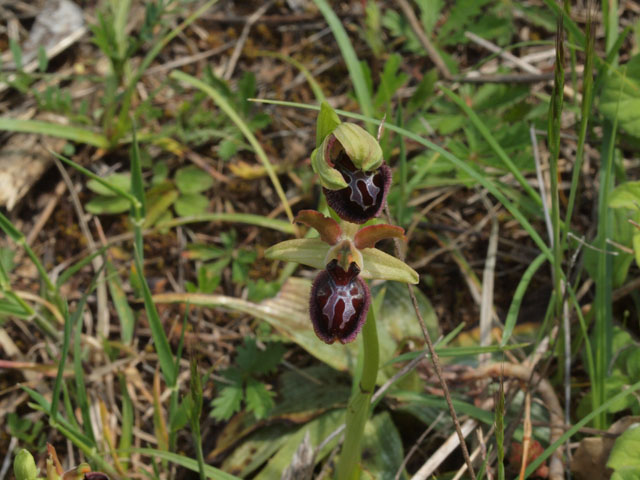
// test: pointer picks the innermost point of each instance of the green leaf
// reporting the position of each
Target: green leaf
(259, 399)
(112, 205)
(390, 81)
(192, 204)
(255, 361)
(327, 121)
(227, 402)
(186, 462)
(192, 179)
(624, 454)
(620, 97)
(626, 195)
(383, 444)
(69, 132)
(118, 180)
(16, 52)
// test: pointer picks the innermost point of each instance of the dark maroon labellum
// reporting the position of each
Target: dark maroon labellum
(364, 198)
(339, 303)
(95, 476)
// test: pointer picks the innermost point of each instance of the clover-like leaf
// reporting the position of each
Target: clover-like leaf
(308, 251)
(378, 264)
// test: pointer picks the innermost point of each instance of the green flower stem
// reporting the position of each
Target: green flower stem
(359, 406)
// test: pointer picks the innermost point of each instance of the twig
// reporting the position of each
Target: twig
(101, 288)
(243, 38)
(526, 437)
(424, 40)
(46, 212)
(445, 449)
(541, 183)
(417, 444)
(492, 47)
(7, 459)
(486, 304)
(436, 363)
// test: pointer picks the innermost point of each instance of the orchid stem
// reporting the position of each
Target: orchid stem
(359, 407)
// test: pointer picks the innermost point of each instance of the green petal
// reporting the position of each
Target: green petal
(307, 251)
(329, 177)
(359, 145)
(378, 264)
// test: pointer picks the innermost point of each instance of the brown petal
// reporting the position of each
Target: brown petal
(329, 230)
(367, 237)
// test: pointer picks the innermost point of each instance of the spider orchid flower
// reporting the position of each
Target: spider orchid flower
(346, 254)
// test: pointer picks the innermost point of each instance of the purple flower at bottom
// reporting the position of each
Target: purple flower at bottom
(339, 303)
(364, 197)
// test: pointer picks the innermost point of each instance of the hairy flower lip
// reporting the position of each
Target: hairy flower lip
(337, 293)
(348, 202)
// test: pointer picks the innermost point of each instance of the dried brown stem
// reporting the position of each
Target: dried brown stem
(436, 364)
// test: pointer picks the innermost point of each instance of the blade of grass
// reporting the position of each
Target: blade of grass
(68, 132)
(518, 296)
(18, 237)
(351, 59)
(186, 462)
(121, 304)
(160, 341)
(219, 99)
(81, 387)
(457, 351)
(486, 134)
(553, 142)
(69, 322)
(194, 415)
(585, 111)
(248, 218)
(603, 328)
(126, 425)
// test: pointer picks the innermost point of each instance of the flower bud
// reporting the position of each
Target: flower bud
(339, 303)
(24, 466)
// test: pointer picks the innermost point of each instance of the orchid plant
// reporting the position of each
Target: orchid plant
(355, 181)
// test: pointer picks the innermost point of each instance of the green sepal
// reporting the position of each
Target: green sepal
(360, 146)
(329, 177)
(327, 121)
(380, 265)
(307, 251)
